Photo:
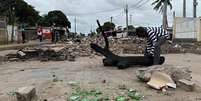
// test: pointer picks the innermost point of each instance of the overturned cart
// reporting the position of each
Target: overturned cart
(121, 62)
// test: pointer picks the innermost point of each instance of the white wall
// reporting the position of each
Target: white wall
(186, 28)
(122, 35)
(9, 30)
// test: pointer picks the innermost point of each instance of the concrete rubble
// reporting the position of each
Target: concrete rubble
(136, 46)
(186, 85)
(160, 80)
(72, 49)
(157, 75)
(55, 52)
(26, 94)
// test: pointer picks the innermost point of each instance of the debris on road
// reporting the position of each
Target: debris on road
(55, 78)
(186, 85)
(73, 83)
(160, 80)
(54, 52)
(26, 94)
(160, 77)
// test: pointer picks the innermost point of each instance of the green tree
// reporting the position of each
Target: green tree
(108, 26)
(57, 18)
(161, 6)
(82, 35)
(45, 21)
(131, 30)
(20, 10)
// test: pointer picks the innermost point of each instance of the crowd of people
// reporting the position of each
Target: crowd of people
(55, 35)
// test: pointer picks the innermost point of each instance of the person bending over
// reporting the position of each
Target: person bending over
(155, 37)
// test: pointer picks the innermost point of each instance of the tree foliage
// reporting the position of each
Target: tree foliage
(159, 5)
(107, 26)
(20, 10)
(56, 17)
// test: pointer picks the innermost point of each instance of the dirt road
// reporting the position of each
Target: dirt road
(90, 73)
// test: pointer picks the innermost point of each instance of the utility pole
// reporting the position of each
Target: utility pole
(12, 19)
(75, 27)
(184, 8)
(111, 19)
(195, 3)
(126, 10)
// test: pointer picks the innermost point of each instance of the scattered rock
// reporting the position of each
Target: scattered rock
(176, 72)
(55, 78)
(123, 87)
(71, 58)
(104, 81)
(186, 85)
(179, 72)
(180, 75)
(26, 94)
(143, 75)
(73, 83)
(22, 70)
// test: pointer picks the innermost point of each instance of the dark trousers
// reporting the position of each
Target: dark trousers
(157, 50)
(40, 38)
(23, 37)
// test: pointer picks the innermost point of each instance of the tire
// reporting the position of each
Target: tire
(122, 65)
(108, 62)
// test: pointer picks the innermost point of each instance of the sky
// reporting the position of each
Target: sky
(86, 12)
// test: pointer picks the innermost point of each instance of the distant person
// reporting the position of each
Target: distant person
(52, 34)
(40, 35)
(57, 36)
(155, 37)
(23, 35)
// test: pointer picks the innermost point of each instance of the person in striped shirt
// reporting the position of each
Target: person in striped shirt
(155, 37)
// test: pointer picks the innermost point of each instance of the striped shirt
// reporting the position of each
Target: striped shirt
(154, 33)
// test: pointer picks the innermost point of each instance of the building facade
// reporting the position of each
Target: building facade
(187, 29)
(3, 31)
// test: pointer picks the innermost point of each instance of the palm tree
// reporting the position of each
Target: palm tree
(161, 6)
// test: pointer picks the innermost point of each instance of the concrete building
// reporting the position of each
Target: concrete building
(3, 31)
(15, 34)
(122, 35)
(187, 29)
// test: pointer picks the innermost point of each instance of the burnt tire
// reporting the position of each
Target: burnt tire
(122, 65)
(108, 62)
(162, 60)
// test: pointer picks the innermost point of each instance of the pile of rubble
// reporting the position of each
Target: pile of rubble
(137, 46)
(72, 49)
(164, 77)
(55, 52)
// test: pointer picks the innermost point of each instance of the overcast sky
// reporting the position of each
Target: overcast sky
(87, 11)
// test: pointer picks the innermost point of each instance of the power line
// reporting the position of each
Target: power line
(104, 11)
(140, 5)
(92, 13)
